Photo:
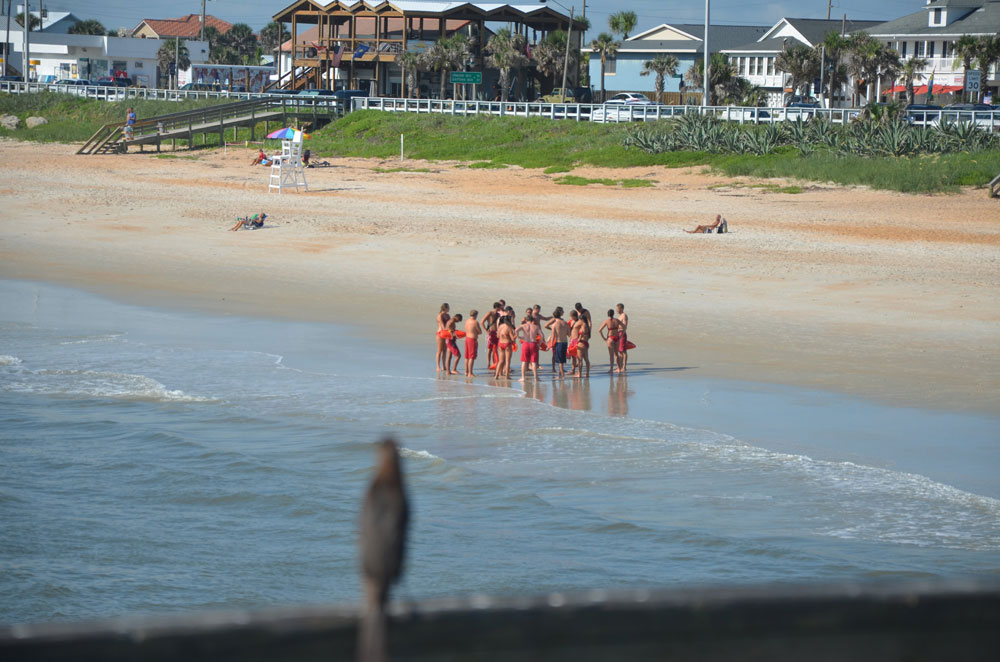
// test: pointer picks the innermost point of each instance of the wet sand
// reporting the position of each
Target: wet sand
(882, 295)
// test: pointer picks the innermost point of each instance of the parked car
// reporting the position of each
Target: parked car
(315, 92)
(630, 98)
(72, 81)
(982, 114)
(349, 94)
(571, 95)
(10, 79)
(108, 81)
(922, 114)
(199, 87)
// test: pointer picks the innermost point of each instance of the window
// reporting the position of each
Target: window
(611, 65)
(770, 66)
(753, 66)
(930, 49)
(919, 48)
(937, 17)
(945, 48)
(902, 49)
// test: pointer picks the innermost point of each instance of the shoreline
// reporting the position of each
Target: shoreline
(810, 290)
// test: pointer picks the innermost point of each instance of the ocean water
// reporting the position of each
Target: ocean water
(159, 461)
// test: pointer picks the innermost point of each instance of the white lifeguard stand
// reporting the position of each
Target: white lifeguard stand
(287, 170)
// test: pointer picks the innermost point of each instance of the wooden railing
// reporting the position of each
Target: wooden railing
(995, 187)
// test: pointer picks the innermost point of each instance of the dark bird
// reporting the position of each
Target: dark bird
(382, 546)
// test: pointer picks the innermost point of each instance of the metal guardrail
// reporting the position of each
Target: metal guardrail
(989, 120)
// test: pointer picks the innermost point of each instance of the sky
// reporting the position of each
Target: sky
(257, 13)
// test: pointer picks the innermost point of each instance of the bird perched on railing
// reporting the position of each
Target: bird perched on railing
(382, 545)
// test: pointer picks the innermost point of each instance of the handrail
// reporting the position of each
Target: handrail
(995, 187)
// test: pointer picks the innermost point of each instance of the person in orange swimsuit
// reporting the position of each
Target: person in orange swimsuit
(579, 344)
(453, 354)
(490, 322)
(622, 339)
(613, 327)
(442, 347)
(505, 345)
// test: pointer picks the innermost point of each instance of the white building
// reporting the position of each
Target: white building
(54, 56)
(932, 32)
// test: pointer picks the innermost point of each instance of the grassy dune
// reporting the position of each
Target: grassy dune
(557, 146)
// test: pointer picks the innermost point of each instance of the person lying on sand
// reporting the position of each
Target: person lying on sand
(250, 222)
(720, 223)
(309, 163)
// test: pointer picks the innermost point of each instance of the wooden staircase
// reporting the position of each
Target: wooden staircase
(106, 140)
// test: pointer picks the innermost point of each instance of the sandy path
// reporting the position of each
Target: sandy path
(881, 294)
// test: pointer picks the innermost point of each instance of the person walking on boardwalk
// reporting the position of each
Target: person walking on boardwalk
(385, 516)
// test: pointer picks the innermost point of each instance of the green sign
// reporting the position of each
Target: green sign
(474, 77)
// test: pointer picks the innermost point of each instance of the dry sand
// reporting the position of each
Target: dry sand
(877, 294)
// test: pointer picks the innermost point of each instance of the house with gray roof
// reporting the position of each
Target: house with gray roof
(683, 41)
(754, 61)
(932, 32)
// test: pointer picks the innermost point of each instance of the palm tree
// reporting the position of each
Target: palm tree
(550, 55)
(741, 92)
(168, 51)
(889, 65)
(461, 47)
(801, 63)
(606, 45)
(446, 55)
(989, 54)
(622, 23)
(864, 60)
(722, 78)
(663, 66)
(272, 36)
(241, 39)
(33, 23)
(90, 26)
(506, 52)
(409, 64)
(967, 50)
(834, 47)
(911, 70)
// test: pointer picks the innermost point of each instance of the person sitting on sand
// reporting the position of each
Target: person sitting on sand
(309, 163)
(250, 222)
(261, 159)
(720, 223)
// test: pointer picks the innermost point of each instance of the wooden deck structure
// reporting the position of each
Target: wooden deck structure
(363, 38)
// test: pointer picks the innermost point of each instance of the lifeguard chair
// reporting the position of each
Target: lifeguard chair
(287, 170)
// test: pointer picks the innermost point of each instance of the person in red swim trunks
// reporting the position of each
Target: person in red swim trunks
(579, 344)
(528, 332)
(472, 331)
(453, 354)
(491, 321)
(442, 347)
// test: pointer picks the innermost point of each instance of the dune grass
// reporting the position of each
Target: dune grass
(496, 142)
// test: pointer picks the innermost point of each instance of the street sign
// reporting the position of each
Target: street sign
(474, 77)
(973, 81)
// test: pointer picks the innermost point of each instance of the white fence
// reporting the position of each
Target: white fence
(582, 112)
(110, 93)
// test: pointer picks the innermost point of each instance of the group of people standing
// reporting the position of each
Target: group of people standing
(566, 338)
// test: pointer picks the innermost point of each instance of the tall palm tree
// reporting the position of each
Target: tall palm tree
(801, 63)
(461, 47)
(241, 39)
(889, 66)
(989, 54)
(165, 56)
(446, 55)
(622, 22)
(864, 60)
(90, 26)
(606, 45)
(835, 76)
(34, 22)
(722, 78)
(909, 72)
(409, 64)
(663, 66)
(506, 52)
(967, 50)
(272, 36)
(550, 55)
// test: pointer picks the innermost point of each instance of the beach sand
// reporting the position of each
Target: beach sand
(881, 295)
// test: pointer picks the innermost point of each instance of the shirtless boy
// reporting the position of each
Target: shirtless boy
(452, 345)
(622, 339)
(529, 332)
(560, 338)
(490, 322)
(580, 342)
(611, 338)
(472, 331)
(442, 346)
(505, 345)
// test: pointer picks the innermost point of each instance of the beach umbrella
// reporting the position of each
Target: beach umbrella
(286, 133)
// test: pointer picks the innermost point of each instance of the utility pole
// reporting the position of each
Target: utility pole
(202, 20)
(708, 13)
(177, 57)
(569, 34)
(25, 54)
(829, 5)
(6, 41)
